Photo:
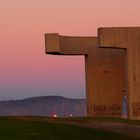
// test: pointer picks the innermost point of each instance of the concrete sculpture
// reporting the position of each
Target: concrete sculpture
(112, 62)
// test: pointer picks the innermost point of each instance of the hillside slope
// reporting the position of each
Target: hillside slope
(44, 106)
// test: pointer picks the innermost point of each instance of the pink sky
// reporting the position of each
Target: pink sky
(25, 69)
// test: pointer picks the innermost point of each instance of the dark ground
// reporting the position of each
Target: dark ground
(43, 128)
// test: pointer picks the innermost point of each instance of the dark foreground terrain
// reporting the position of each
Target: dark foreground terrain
(42, 128)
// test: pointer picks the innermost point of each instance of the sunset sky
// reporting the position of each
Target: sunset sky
(25, 69)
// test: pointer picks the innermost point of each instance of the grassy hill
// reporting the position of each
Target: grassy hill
(41, 128)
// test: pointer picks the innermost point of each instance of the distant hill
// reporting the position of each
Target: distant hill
(44, 106)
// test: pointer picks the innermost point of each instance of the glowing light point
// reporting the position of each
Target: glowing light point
(55, 115)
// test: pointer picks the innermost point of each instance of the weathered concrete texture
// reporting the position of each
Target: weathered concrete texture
(112, 68)
(64, 45)
(128, 38)
(106, 85)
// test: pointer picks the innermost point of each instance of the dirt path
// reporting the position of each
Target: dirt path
(124, 128)
(129, 129)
